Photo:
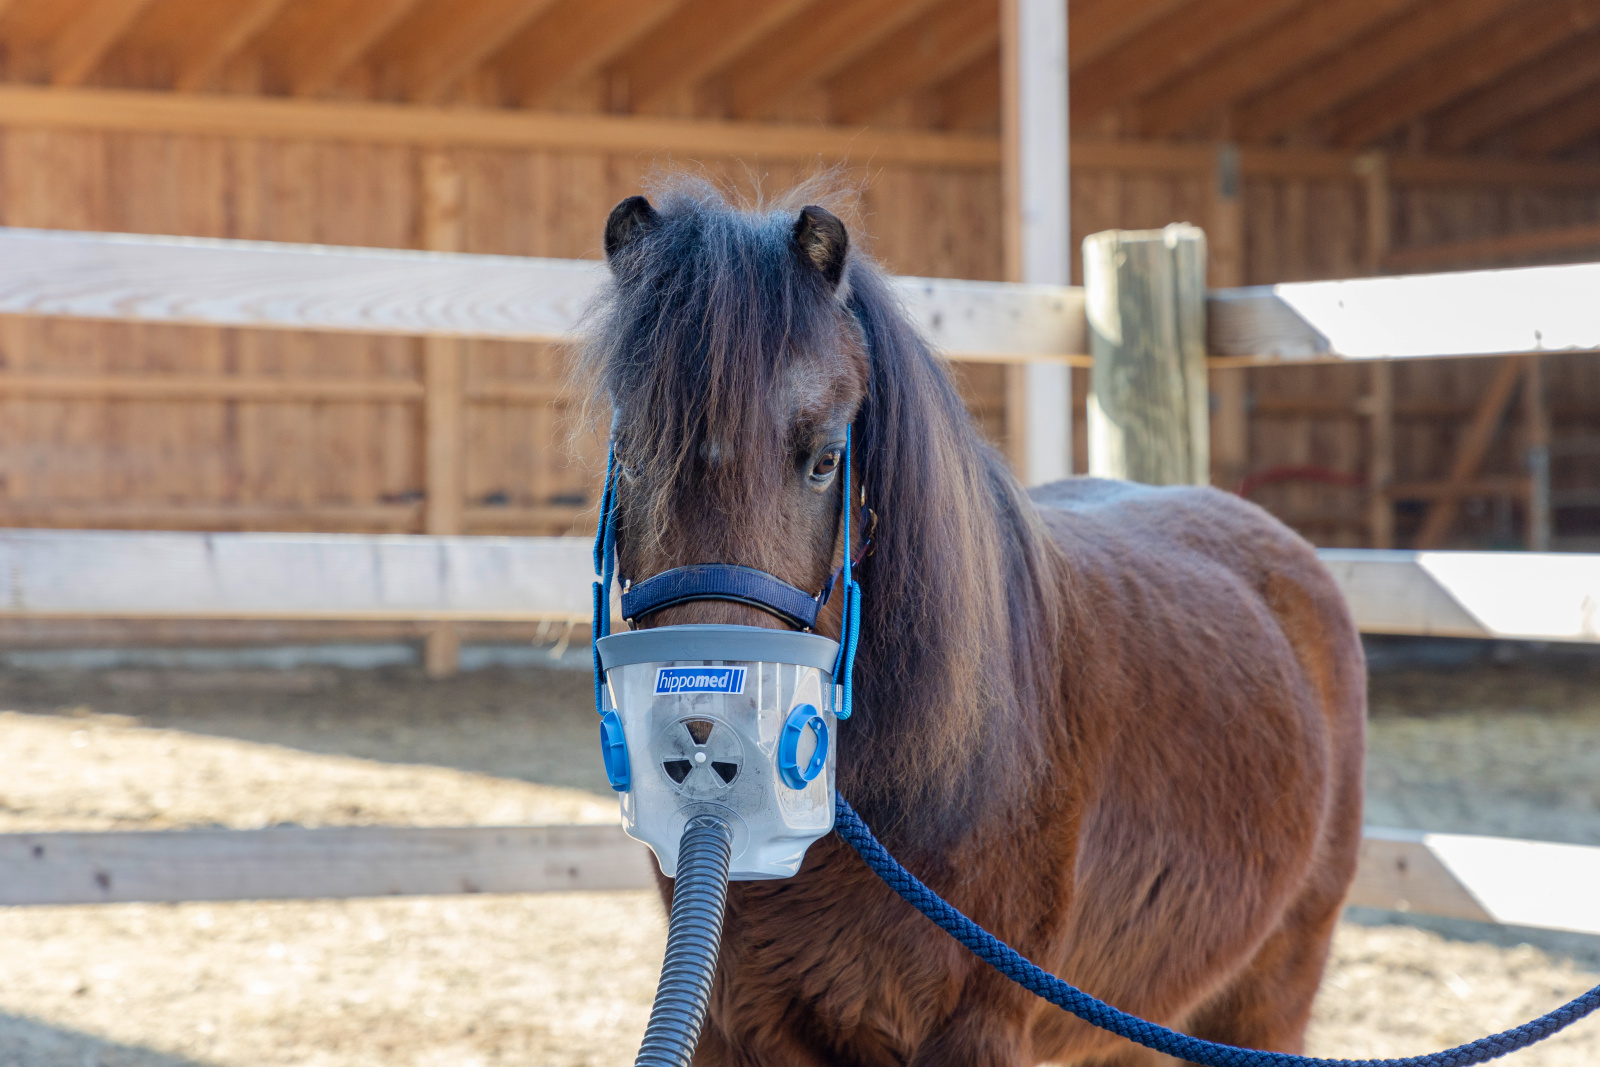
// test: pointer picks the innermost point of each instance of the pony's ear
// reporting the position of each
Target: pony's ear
(629, 219)
(823, 241)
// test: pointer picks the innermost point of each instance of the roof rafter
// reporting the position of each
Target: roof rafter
(1260, 60)
(919, 55)
(88, 38)
(1164, 51)
(701, 37)
(1549, 79)
(971, 97)
(1364, 63)
(202, 60)
(810, 47)
(1466, 65)
(456, 40)
(1563, 125)
(575, 38)
(319, 61)
(1097, 26)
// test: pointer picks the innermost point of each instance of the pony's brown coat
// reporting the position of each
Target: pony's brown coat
(1120, 727)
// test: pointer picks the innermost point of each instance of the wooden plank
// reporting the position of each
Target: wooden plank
(811, 47)
(456, 40)
(301, 864)
(88, 37)
(1471, 449)
(1345, 74)
(201, 60)
(1471, 313)
(1148, 405)
(1380, 455)
(1523, 883)
(132, 278)
(576, 38)
(226, 387)
(1398, 872)
(701, 37)
(316, 120)
(1553, 77)
(924, 53)
(1536, 454)
(1169, 48)
(1567, 239)
(318, 60)
(1097, 26)
(1466, 65)
(1037, 234)
(1561, 126)
(1259, 60)
(1510, 595)
(276, 515)
(86, 573)
(1489, 485)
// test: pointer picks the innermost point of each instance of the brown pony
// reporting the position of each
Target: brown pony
(1118, 726)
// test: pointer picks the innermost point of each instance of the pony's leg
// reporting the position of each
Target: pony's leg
(1268, 1005)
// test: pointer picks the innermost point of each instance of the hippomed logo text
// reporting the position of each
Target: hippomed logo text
(699, 680)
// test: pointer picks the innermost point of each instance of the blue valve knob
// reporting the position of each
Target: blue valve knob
(803, 718)
(614, 751)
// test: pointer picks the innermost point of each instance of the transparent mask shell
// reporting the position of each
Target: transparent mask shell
(717, 753)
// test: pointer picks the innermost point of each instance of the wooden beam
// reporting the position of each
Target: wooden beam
(1471, 449)
(1486, 250)
(1482, 486)
(1230, 416)
(446, 44)
(318, 60)
(1466, 65)
(946, 39)
(135, 515)
(1171, 47)
(1561, 126)
(811, 47)
(972, 97)
(1097, 26)
(1380, 455)
(701, 37)
(240, 116)
(207, 388)
(133, 278)
(1535, 87)
(113, 574)
(1536, 455)
(1471, 313)
(1380, 55)
(1036, 208)
(1260, 60)
(201, 60)
(294, 863)
(88, 37)
(574, 39)
(1378, 204)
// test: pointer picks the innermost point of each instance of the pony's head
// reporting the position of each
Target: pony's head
(734, 348)
(733, 368)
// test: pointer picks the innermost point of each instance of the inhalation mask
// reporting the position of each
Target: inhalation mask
(734, 722)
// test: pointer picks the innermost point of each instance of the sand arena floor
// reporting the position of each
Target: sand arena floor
(566, 979)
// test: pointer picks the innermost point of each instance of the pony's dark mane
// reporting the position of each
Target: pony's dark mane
(957, 682)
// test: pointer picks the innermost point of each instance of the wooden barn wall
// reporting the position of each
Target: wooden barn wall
(357, 465)
(349, 465)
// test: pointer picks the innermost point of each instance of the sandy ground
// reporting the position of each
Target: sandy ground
(567, 979)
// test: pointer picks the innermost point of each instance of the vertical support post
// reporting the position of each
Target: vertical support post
(1145, 292)
(1536, 417)
(1230, 415)
(1037, 231)
(444, 403)
(1374, 170)
(1380, 454)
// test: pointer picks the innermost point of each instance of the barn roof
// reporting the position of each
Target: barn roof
(1517, 78)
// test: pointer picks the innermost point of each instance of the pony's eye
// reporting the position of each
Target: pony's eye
(826, 464)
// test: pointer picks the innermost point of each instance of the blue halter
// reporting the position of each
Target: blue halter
(726, 581)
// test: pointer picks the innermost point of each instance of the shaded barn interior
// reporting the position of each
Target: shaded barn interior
(1311, 139)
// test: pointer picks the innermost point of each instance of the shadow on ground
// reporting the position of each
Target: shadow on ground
(27, 1042)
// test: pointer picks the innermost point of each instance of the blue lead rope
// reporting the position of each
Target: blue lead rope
(1009, 962)
(605, 564)
(850, 608)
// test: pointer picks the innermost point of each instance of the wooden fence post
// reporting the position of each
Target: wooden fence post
(1379, 410)
(444, 405)
(1230, 417)
(1145, 294)
(1536, 421)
